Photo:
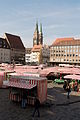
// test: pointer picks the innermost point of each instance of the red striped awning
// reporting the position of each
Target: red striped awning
(20, 85)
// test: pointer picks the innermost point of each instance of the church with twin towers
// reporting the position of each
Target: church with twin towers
(38, 35)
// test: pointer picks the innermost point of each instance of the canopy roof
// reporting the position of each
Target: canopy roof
(76, 77)
(19, 85)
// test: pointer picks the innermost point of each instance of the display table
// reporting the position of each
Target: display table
(59, 81)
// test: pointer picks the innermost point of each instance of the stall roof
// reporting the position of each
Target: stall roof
(76, 77)
(26, 77)
(19, 85)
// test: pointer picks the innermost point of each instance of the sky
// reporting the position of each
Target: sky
(59, 18)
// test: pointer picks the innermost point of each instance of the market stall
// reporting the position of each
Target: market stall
(75, 81)
(31, 84)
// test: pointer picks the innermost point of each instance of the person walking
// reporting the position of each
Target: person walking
(65, 84)
(68, 90)
(37, 105)
(24, 98)
(76, 85)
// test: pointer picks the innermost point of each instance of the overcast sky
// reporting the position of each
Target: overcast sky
(59, 18)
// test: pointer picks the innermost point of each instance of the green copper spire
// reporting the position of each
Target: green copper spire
(37, 26)
(40, 28)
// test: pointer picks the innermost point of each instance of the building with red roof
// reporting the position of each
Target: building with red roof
(65, 50)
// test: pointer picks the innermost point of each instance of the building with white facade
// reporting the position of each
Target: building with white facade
(28, 55)
(36, 54)
(65, 50)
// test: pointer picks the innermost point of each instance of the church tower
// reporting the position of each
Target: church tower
(41, 35)
(38, 37)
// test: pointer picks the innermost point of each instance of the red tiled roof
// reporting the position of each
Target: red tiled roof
(66, 41)
(60, 41)
(14, 41)
(36, 48)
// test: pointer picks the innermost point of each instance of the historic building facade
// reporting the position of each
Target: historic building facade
(4, 51)
(17, 49)
(38, 36)
(28, 55)
(65, 50)
(36, 54)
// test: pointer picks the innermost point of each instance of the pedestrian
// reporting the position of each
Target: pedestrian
(36, 105)
(24, 98)
(68, 90)
(65, 84)
(76, 85)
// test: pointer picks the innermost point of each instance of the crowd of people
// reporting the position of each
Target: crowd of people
(68, 86)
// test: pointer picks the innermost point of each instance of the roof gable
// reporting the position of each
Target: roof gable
(14, 41)
(36, 48)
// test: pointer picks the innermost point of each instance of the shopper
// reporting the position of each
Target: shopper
(36, 105)
(68, 90)
(24, 98)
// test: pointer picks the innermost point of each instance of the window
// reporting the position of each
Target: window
(57, 47)
(73, 50)
(68, 47)
(77, 47)
(62, 46)
(76, 50)
(74, 46)
(70, 50)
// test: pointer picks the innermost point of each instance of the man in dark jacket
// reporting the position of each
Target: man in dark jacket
(37, 104)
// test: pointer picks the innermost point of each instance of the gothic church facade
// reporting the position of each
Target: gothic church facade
(38, 36)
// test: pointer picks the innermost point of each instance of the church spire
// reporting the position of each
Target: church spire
(40, 28)
(37, 26)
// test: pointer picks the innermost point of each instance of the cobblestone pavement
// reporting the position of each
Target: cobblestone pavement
(57, 106)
